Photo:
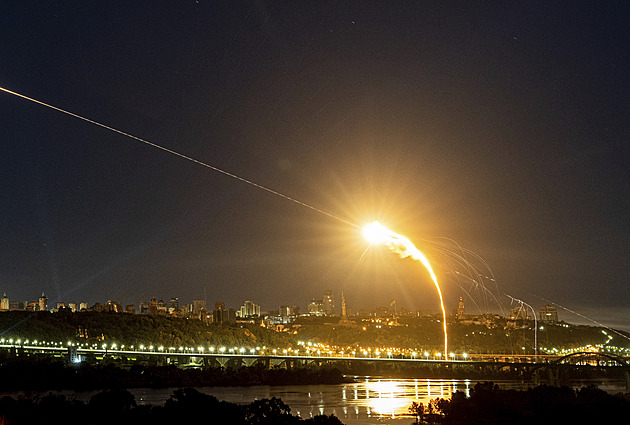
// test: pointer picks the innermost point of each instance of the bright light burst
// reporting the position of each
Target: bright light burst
(376, 233)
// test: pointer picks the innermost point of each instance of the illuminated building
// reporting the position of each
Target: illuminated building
(328, 303)
(288, 313)
(173, 305)
(43, 303)
(344, 314)
(161, 307)
(316, 308)
(153, 307)
(4, 303)
(548, 314)
(249, 309)
(113, 306)
(460, 314)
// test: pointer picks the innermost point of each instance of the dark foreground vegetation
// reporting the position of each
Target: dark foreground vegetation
(486, 405)
(119, 407)
(490, 405)
(51, 374)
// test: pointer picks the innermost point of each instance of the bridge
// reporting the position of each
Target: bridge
(553, 368)
(77, 353)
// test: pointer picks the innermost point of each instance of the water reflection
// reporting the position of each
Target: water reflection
(366, 401)
(392, 397)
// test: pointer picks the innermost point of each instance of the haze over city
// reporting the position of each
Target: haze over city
(499, 131)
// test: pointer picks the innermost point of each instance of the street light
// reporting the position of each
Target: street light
(522, 303)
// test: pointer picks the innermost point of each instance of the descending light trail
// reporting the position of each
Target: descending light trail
(376, 233)
(227, 173)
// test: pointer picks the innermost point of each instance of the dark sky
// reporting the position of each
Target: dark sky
(503, 126)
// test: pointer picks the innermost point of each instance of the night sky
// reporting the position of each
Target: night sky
(502, 126)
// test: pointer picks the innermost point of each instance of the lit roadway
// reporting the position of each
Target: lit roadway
(201, 354)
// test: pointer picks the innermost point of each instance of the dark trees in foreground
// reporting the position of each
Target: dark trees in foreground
(118, 406)
(490, 405)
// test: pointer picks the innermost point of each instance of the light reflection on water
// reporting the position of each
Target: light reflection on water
(391, 398)
(366, 401)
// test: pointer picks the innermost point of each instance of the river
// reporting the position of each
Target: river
(366, 401)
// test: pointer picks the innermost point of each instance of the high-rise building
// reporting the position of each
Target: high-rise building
(4, 303)
(329, 303)
(316, 308)
(288, 313)
(222, 314)
(173, 305)
(249, 310)
(198, 305)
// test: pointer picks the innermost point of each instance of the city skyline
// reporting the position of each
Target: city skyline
(493, 132)
(249, 309)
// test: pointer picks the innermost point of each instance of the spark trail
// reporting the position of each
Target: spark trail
(155, 145)
(376, 233)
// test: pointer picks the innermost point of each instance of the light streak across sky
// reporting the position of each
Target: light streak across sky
(227, 173)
